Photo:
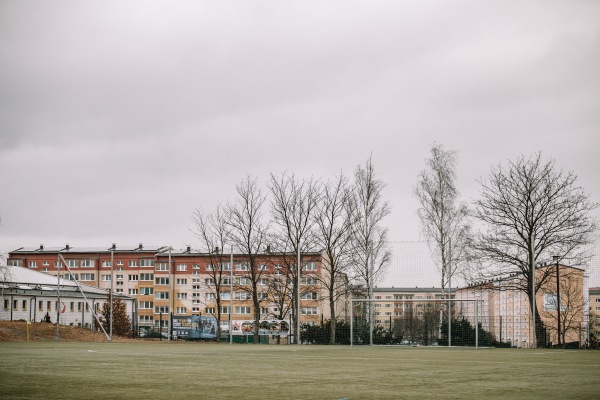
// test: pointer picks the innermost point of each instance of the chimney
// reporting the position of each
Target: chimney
(41, 247)
(189, 249)
(67, 247)
(141, 246)
(114, 246)
(216, 250)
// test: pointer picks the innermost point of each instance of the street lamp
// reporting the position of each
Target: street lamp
(556, 258)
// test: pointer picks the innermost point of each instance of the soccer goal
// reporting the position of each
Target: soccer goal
(396, 320)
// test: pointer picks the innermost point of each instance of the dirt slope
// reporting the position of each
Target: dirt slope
(15, 331)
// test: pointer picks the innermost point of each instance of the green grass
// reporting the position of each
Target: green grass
(161, 370)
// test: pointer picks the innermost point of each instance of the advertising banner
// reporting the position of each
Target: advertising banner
(195, 327)
(270, 327)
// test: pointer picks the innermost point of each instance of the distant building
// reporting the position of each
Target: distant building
(31, 295)
(594, 315)
(506, 310)
(187, 285)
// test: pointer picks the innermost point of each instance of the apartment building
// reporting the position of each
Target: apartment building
(594, 312)
(186, 282)
(507, 312)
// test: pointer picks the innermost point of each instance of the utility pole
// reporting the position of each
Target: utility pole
(558, 331)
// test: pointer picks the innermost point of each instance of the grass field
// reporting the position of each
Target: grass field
(161, 370)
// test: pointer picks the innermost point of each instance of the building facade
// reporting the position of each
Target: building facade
(507, 311)
(167, 282)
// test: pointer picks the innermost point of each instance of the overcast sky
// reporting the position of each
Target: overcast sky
(119, 118)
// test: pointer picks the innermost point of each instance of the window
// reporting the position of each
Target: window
(72, 263)
(40, 305)
(195, 287)
(32, 264)
(106, 264)
(6, 303)
(240, 280)
(144, 291)
(161, 309)
(225, 281)
(226, 296)
(263, 281)
(161, 295)
(133, 278)
(106, 278)
(263, 296)
(180, 310)
(15, 263)
(196, 266)
(15, 304)
(146, 277)
(162, 266)
(224, 309)
(209, 310)
(309, 296)
(263, 267)
(72, 306)
(133, 263)
(264, 310)
(209, 281)
(79, 306)
(87, 277)
(119, 269)
(308, 280)
(146, 262)
(311, 266)
(242, 267)
(133, 291)
(87, 263)
(161, 281)
(209, 267)
(46, 264)
(119, 262)
(242, 310)
(242, 296)
(181, 267)
(181, 281)
(120, 277)
(48, 306)
(195, 309)
(209, 296)
(119, 283)
(225, 266)
(72, 277)
(309, 310)
(24, 304)
(182, 296)
(146, 318)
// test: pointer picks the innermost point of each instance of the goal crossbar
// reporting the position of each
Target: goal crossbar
(438, 300)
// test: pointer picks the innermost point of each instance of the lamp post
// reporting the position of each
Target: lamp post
(556, 258)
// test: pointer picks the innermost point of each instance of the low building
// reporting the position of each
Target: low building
(34, 296)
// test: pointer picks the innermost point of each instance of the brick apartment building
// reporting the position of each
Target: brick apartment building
(186, 282)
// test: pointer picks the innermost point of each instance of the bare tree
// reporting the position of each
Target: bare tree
(293, 203)
(370, 255)
(333, 224)
(532, 211)
(248, 232)
(212, 231)
(443, 218)
(572, 305)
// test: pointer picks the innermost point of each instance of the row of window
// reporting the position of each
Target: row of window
(160, 266)
(49, 305)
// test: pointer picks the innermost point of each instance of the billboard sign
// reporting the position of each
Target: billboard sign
(195, 327)
(272, 327)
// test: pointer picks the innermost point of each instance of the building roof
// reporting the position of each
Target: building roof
(21, 278)
(78, 250)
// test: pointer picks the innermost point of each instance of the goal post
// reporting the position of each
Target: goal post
(417, 322)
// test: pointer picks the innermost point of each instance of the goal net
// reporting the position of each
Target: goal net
(401, 319)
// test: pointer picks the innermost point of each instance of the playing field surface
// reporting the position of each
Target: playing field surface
(162, 370)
